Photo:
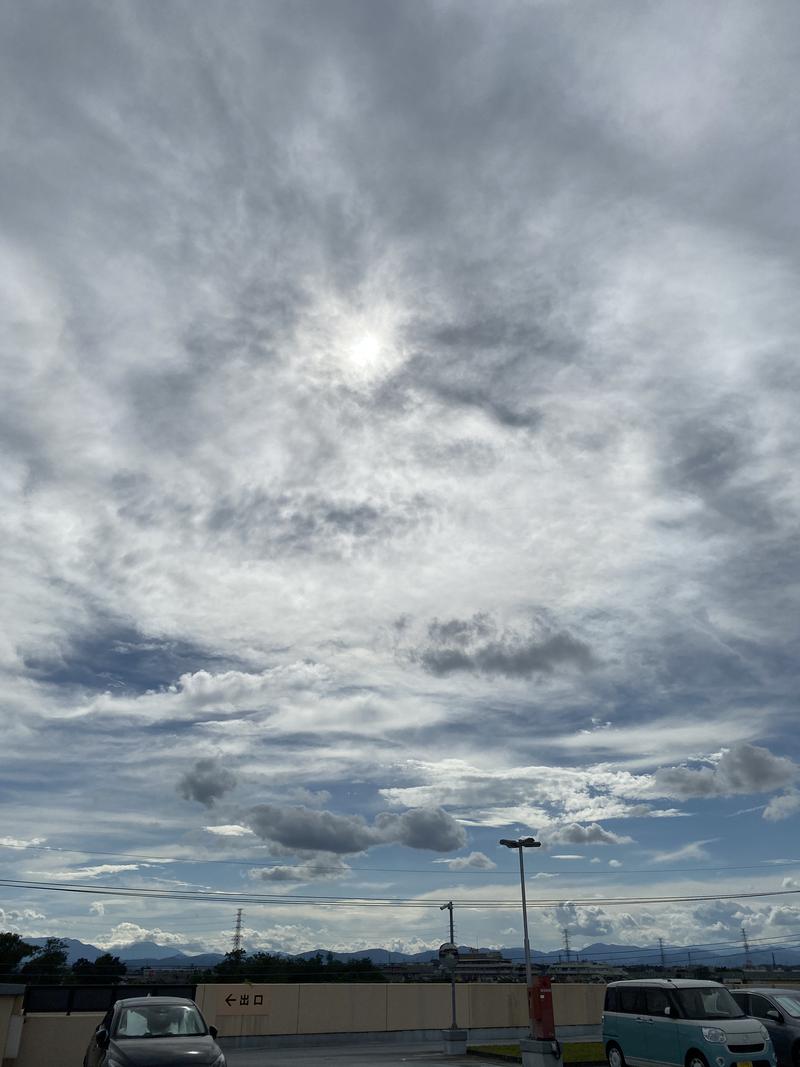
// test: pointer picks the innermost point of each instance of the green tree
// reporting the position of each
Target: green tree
(49, 963)
(13, 950)
(104, 969)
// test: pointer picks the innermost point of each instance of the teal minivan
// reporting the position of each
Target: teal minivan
(662, 1022)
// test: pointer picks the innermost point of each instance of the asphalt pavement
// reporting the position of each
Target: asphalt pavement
(428, 1054)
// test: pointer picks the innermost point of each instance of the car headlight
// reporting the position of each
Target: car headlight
(714, 1035)
(764, 1032)
(219, 1061)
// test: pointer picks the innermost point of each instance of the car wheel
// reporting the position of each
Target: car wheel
(696, 1059)
(614, 1056)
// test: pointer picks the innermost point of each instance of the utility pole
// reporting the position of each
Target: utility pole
(449, 907)
(773, 962)
(566, 943)
(747, 961)
(661, 951)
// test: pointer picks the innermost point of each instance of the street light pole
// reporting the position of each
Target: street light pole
(519, 845)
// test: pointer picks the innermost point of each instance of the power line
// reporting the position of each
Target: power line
(256, 862)
(352, 901)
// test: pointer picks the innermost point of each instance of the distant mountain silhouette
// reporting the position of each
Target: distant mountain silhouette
(149, 954)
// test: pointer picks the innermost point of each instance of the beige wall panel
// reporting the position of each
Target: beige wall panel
(50, 1040)
(336, 1009)
(503, 1004)
(578, 1003)
(425, 1006)
(277, 1014)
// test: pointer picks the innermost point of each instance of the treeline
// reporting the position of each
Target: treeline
(264, 967)
(47, 964)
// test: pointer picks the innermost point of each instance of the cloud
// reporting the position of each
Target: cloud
(692, 850)
(97, 907)
(594, 834)
(127, 933)
(306, 829)
(568, 856)
(475, 645)
(79, 874)
(615, 863)
(783, 806)
(207, 781)
(475, 861)
(585, 921)
(229, 830)
(743, 769)
(18, 842)
(312, 869)
(425, 828)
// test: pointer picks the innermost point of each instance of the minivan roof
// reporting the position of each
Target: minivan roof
(665, 983)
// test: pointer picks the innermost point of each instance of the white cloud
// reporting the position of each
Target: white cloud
(692, 850)
(229, 830)
(475, 861)
(78, 874)
(783, 806)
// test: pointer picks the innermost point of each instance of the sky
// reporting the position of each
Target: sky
(400, 453)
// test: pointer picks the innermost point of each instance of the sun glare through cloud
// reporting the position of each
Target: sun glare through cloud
(400, 454)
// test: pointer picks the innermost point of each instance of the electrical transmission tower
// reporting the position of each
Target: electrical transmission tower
(661, 951)
(237, 935)
(747, 961)
(566, 943)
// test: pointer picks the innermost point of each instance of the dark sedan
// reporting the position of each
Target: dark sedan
(154, 1032)
(779, 1011)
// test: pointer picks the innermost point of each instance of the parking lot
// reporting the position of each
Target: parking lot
(420, 1055)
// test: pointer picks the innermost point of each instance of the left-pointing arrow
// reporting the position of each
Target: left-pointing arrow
(230, 999)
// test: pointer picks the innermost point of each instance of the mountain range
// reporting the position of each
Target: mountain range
(161, 957)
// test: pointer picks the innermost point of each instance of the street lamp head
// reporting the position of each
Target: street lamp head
(509, 844)
(530, 842)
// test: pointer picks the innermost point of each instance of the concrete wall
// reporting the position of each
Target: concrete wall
(55, 1039)
(242, 1011)
(10, 1019)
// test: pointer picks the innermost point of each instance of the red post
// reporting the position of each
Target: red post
(541, 1009)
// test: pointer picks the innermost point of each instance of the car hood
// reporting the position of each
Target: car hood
(742, 1031)
(164, 1051)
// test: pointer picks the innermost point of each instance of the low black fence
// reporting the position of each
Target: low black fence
(68, 999)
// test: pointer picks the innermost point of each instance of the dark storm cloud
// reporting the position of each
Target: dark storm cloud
(476, 645)
(207, 781)
(742, 769)
(305, 830)
(314, 831)
(426, 828)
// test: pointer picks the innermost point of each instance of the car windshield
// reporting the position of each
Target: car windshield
(708, 1002)
(160, 1020)
(788, 1002)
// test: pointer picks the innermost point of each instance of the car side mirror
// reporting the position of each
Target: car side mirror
(213, 1031)
(776, 1015)
(101, 1036)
